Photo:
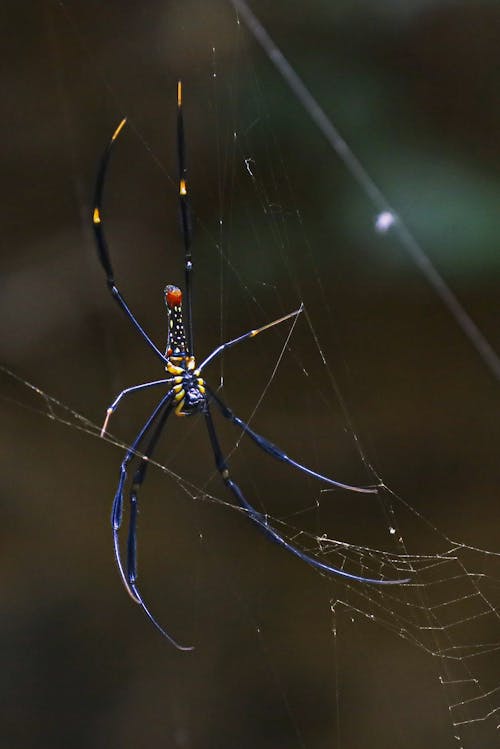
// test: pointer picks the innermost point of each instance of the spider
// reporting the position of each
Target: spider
(187, 394)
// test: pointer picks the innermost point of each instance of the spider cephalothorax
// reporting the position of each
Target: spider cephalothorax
(187, 394)
(193, 398)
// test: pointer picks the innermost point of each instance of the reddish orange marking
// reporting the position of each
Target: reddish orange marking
(174, 297)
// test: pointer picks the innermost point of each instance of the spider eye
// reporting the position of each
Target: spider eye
(173, 296)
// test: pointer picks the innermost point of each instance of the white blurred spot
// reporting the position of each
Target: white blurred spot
(384, 221)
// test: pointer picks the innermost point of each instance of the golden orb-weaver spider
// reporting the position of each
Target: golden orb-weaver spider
(187, 394)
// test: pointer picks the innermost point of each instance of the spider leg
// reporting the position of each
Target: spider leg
(261, 520)
(129, 576)
(138, 480)
(278, 454)
(112, 408)
(250, 334)
(102, 245)
(185, 216)
(117, 508)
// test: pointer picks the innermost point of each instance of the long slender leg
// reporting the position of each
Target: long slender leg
(110, 411)
(261, 521)
(102, 245)
(278, 454)
(138, 479)
(137, 482)
(117, 508)
(129, 577)
(250, 334)
(185, 217)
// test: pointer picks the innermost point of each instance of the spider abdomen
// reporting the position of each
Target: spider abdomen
(176, 341)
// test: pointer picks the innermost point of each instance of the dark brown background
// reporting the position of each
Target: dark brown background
(413, 87)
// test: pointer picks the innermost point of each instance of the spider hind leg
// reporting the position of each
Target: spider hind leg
(128, 573)
(261, 520)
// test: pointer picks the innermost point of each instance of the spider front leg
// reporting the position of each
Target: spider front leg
(261, 520)
(102, 245)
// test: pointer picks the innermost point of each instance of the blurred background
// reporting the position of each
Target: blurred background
(376, 374)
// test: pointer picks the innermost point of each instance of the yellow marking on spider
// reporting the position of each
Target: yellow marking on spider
(118, 129)
(178, 388)
(97, 216)
(178, 410)
(190, 362)
(182, 187)
(172, 369)
(179, 93)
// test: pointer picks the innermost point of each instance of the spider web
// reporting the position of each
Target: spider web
(449, 610)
